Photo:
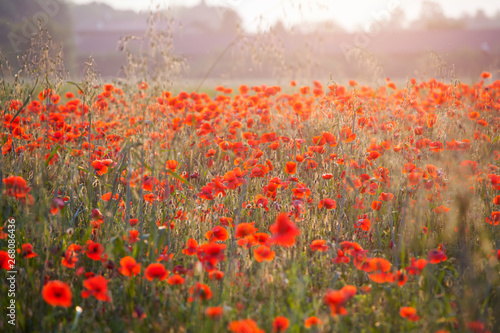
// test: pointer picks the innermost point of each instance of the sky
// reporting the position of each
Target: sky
(350, 14)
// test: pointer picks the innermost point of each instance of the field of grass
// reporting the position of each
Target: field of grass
(325, 208)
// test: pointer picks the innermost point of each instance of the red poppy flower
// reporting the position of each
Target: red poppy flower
(199, 291)
(234, 178)
(386, 196)
(414, 178)
(319, 245)
(16, 187)
(291, 168)
(485, 75)
(347, 135)
(341, 257)
(373, 155)
(149, 197)
(327, 203)
(27, 251)
(129, 267)
(336, 299)
(441, 209)
(175, 280)
(494, 219)
(476, 327)
(436, 256)
(245, 229)
(132, 236)
(215, 274)
(214, 312)
(259, 171)
(96, 286)
(261, 238)
(226, 221)
(109, 87)
(96, 214)
(376, 205)
(363, 223)
(107, 196)
(494, 179)
(101, 166)
(44, 94)
(261, 202)
(211, 253)
(268, 137)
(326, 137)
(312, 321)
(247, 242)
(409, 313)
(94, 250)
(57, 293)
(56, 205)
(379, 268)
(156, 271)
(280, 324)
(244, 326)
(70, 256)
(191, 247)
(283, 231)
(416, 267)
(4, 260)
(218, 233)
(401, 278)
(263, 253)
(172, 165)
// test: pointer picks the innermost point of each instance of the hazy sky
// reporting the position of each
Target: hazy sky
(350, 14)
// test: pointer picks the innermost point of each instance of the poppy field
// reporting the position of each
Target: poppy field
(312, 207)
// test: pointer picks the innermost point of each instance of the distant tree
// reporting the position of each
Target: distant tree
(279, 28)
(433, 17)
(480, 21)
(230, 21)
(20, 21)
(398, 18)
(431, 11)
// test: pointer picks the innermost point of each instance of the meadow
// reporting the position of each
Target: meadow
(312, 207)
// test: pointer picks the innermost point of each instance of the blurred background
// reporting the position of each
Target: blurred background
(266, 41)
